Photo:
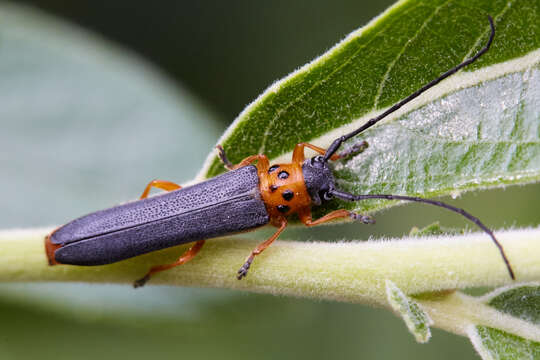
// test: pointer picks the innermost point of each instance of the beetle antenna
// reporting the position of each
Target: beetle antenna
(350, 197)
(337, 143)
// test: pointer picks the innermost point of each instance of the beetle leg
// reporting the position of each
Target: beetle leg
(160, 184)
(188, 255)
(298, 152)
(299, 157)
(263, 161)
(259, 249)
(305, 217)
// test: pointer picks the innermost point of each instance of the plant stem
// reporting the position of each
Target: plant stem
(344, 271)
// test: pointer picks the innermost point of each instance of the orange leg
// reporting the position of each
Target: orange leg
(298, 152)
(188, 255)
(263, 162)
(259, 249)
(160, 184)
(299, 157)
(305, 217)
(167, 186)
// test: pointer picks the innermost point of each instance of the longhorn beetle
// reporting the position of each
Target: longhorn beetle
(246, 197)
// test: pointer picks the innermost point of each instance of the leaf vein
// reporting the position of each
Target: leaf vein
(482, 36)
(401, 52)
(316, 84)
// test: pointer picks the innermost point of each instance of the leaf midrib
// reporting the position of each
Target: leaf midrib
(401, 52)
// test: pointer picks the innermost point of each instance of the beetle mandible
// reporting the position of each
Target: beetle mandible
(246, 197)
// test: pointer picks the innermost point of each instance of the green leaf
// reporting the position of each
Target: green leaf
(415, 318)
(475, 130)
(499, 345)
(432, 230)
(521, 306)
(522, 301)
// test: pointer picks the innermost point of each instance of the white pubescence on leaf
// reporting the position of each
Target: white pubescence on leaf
(498, 140)
(417, 321)
(519, 300)
(495, 344)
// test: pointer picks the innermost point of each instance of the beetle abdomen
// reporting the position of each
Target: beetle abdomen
(225, 204)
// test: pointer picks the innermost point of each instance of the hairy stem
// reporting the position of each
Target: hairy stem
(344, 271)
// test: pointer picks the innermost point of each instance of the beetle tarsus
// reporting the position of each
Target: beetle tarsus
(140, 283)
(244, 269)
(356, 149)
(366, 219)
(224, 159)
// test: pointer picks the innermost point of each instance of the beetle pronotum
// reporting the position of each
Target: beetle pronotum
(246, 197)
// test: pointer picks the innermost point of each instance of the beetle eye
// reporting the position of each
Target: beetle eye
(328, 196)
(316, 159)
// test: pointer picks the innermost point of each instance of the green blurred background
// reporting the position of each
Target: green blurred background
(88, 119)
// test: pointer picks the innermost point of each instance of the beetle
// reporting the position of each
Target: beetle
(247, 197)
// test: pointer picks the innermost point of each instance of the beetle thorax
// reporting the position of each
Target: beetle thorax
(283, 190)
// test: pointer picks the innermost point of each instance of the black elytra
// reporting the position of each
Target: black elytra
(228, 203)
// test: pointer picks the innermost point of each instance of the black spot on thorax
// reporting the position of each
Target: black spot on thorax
(283, 208)
(287, 194)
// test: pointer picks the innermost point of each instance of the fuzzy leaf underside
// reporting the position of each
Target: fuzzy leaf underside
(453, 145)
(475, 130)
